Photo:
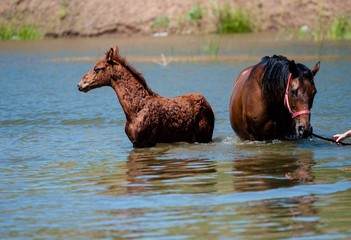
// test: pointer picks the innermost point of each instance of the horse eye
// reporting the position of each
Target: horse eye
(294, 92)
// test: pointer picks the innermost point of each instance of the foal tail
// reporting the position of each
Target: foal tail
(205, 122)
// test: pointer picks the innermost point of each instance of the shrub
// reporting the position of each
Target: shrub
(230, 20)
(233, 21)
(195, 15)
(160, 23)
(340, 28)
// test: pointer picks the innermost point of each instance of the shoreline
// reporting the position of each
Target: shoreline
(70, 19)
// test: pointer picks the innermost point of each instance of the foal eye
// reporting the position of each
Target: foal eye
(294, 92)
(97, 70)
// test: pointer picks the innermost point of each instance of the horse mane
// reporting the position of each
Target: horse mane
(275, 77)
(135, 73)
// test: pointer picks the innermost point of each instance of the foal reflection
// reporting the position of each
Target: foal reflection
(149, 170)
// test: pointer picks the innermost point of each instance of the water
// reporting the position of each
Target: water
(68, 171)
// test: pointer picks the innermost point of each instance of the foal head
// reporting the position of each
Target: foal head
(299, 95)
(102, 73)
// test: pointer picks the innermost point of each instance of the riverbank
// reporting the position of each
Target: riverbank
(91, 18)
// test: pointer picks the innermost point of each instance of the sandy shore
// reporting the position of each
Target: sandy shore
(59, 18)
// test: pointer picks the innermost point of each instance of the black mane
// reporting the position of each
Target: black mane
(275, 77)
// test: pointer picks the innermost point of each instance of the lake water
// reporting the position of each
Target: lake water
(68, 171)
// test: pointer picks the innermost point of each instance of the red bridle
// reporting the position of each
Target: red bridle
(287, 104)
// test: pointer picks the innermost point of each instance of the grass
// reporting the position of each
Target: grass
(229, 20)
(19, 33)
(340, 28)
(195, 15)
(211, 49)
(160, 23)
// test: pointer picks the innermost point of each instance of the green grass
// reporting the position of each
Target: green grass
(195, 14)
(230, 20)
(160, 23)
(340, 28)
(211, 49)
(19, 33)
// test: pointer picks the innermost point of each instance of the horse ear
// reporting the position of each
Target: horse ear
(316, 68)
(293, 69)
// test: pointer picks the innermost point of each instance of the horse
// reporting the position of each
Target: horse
(273, 100)
(151, 118)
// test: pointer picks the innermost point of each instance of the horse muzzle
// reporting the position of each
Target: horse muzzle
(303, 131)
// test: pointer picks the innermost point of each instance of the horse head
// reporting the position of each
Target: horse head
(299, 95)
(100, 75)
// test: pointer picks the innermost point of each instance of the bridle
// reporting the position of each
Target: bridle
(287, 104)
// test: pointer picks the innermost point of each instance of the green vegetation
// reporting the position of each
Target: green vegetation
(233, 21)
(229, 20)
(211, 49)
(195, 15)
(19, 33)
(340, 28)
(226, 19)
(160, 23)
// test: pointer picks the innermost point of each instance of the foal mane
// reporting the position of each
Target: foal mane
(135, 73)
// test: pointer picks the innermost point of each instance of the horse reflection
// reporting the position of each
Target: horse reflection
(269, 170)
(152, 171)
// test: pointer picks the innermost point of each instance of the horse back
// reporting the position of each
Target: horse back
(246, 101)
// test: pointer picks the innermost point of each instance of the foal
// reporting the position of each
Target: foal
(151, 118)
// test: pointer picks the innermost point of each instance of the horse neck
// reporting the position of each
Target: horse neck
(131, 93)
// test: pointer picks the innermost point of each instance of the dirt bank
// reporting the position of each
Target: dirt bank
(60, 18)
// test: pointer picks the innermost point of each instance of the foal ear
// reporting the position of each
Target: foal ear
(293, 69)
(316, 68)
(112, 55)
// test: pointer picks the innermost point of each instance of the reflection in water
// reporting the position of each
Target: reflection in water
(158, 171)
(68, 171)
(274, 169)
(151, 171)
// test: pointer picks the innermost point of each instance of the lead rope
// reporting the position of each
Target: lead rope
(330, 140)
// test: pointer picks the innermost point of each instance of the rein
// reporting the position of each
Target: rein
(287, 104)
(330, 140)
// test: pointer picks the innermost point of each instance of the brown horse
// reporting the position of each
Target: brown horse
(151, 118)
(272, 100)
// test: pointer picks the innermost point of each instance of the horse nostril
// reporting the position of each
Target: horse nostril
(304, 132)
(301, 130)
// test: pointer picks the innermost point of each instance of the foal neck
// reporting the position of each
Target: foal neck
(131, 89)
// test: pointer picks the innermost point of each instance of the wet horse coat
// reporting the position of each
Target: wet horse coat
(272, 100)
(151, 118)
